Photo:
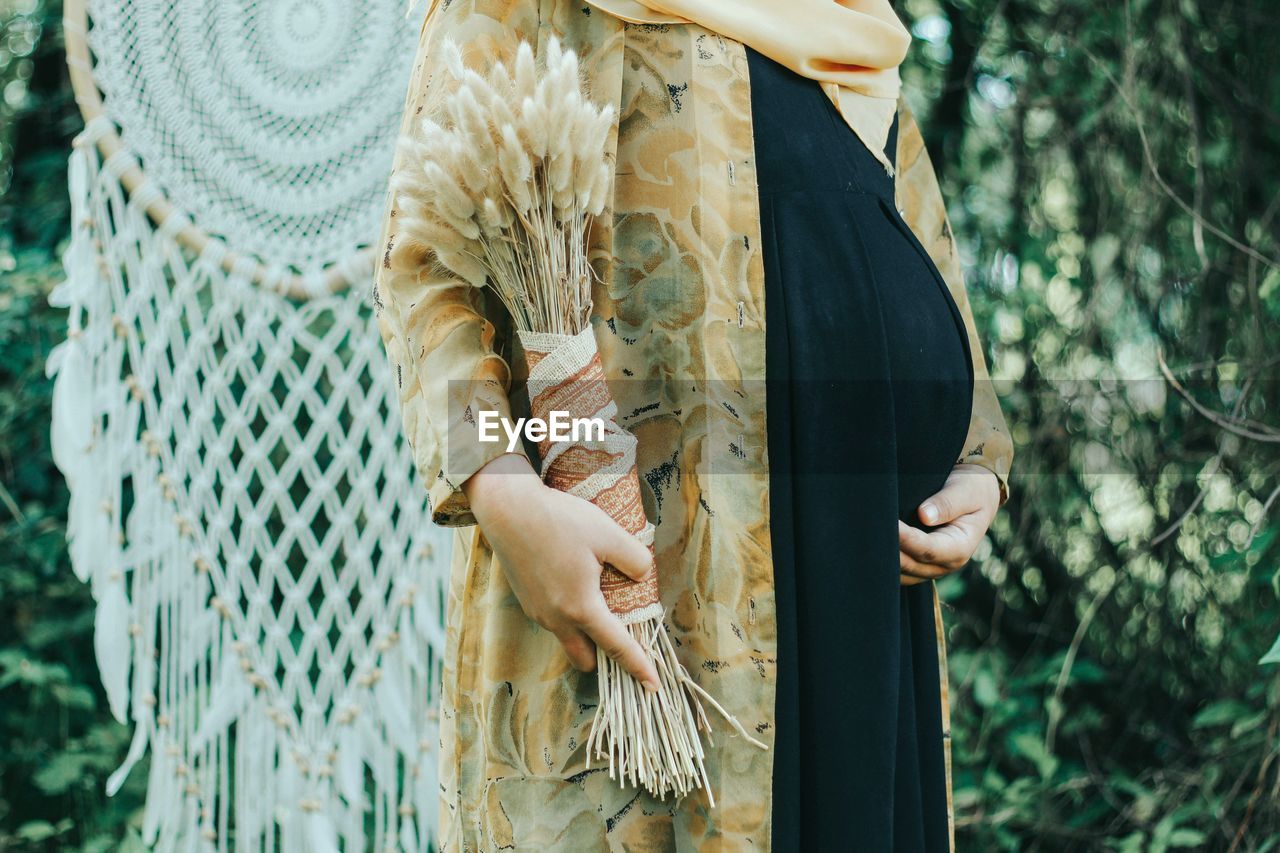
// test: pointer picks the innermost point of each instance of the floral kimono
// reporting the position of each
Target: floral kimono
(679, 317)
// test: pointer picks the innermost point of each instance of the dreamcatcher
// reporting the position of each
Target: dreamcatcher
(268, 585)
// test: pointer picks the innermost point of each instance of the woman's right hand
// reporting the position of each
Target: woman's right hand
(552, 547)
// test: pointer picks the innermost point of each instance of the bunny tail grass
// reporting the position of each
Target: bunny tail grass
(648, 738)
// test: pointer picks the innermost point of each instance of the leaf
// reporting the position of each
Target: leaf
(62, 771)
(1273, 654)
(985, 692)
(1248, 724)
(1135, 842)
(1031, 747)
(1186, 838)
(1219, 713)
(37, 830)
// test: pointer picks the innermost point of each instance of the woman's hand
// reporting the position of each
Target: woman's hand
(552, 547)
(964, 508)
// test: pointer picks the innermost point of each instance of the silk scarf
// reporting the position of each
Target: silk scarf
(852, 48)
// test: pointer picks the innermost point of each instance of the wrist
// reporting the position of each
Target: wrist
(991, 482)
(503, 482)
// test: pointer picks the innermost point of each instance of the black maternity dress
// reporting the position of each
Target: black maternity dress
(868, 401)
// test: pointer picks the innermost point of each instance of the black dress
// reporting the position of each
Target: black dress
(869, 389)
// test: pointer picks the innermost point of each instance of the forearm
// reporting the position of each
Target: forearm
(448, 374)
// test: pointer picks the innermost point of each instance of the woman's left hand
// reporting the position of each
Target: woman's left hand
(960, 514)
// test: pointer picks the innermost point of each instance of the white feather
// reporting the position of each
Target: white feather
(111, 644)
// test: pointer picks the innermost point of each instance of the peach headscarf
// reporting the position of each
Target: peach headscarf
(851, 47)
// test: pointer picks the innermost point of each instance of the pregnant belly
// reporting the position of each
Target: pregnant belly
(864, 329)
(929, 360)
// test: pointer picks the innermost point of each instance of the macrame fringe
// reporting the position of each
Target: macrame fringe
(248, 750)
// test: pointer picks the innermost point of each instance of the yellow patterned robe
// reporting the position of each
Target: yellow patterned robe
(679, 316)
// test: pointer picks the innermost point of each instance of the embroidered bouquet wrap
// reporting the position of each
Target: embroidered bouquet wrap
(565, 375)
(498, 188)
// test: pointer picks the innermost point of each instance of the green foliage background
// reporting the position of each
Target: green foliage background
(1113, 173)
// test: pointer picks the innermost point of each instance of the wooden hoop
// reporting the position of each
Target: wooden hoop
(75, 26)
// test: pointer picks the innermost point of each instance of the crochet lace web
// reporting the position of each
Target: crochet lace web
(269, 587)
(269, 121)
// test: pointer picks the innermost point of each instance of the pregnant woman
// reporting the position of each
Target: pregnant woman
(781, 317)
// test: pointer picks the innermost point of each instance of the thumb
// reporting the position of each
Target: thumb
(615, 641)
(625, 553)
(940, 508)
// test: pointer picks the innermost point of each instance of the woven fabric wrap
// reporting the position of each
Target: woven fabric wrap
(566, 377)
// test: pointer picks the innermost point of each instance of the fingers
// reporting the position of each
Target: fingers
(946, 549)
(955, 499)
(960, 512)
(625, 553)
(968, 489)
(919, 572)
(579, 648)
(942, 507)
(613, 639)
